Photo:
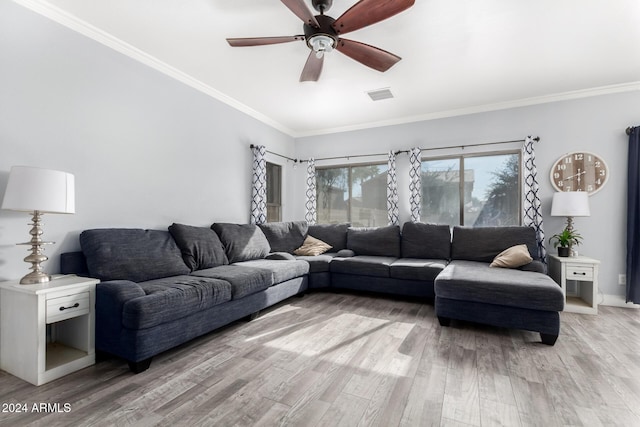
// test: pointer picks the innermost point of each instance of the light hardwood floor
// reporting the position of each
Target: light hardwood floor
(345, 359)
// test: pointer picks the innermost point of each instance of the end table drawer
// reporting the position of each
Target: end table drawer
(66, 307)
(579, 272)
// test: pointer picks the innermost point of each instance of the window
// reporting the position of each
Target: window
(486, 193)
(355, 194)
(274, 192)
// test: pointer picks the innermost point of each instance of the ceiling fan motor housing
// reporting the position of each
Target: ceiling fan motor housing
(322, 5)
(326, 30)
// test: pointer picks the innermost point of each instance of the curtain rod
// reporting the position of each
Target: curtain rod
(537, 138)
(276, 154)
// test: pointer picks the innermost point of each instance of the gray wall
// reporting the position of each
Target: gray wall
(145, 149)
(594, 124)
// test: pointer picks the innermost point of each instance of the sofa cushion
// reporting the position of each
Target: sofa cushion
(484, 243)
(318, 263)
(380, 241)
(244, 280)
(280, 256)
(332, 234)
(429, 241)
(284, 236)
(200, 246)
(131, 254)
(281, 271)
(477, 282)
(363, 265)
(417, 268)
(242, 242)
(172, 298)
(513, 257)
(312, 247)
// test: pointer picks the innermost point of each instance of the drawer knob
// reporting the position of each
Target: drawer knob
(76, 305)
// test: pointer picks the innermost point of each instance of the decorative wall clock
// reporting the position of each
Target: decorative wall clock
(579, 171)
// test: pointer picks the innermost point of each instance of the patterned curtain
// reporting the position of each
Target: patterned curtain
(311, 215)
(532, 212)
(415, 183)
(259, 185)
(392, 191)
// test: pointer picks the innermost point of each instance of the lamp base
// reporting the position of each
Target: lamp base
(34, 278)
(36, 257)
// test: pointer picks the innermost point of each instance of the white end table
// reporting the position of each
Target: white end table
(584, 271)
(47, 329)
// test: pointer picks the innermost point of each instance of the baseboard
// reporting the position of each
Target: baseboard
(616, 301)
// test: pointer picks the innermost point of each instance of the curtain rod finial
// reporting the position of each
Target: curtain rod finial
(628, 130)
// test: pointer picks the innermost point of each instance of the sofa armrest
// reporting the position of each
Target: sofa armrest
(536, 266)
(110, 299)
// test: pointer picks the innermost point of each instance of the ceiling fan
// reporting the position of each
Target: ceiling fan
(322, 33)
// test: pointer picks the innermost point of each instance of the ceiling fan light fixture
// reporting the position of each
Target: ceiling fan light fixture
(321, 44)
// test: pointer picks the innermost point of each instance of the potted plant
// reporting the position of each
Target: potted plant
(565, 240)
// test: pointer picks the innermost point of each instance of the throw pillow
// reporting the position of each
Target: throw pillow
(200, 246)
(376, 241)
(513, 257)
(332, 234)
(131, 254)
(242, 242)
(284, 236)
(312, 247)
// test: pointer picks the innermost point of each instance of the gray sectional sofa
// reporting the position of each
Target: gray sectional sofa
(162, 288)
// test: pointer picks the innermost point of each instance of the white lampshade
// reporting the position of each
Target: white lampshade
(570, 203)
(34, 189)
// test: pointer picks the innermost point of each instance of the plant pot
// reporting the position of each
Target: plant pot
(563, 251)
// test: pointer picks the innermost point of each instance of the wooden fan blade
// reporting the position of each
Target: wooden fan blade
(370, 56)
(260, 41)
(367, 12)
(312, 69)
(302, 11)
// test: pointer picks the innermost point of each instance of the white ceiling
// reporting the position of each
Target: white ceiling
(458, 56)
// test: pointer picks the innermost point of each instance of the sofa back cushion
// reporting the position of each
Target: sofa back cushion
(334, 235)
(285, 236)
(484, 243)
(131, 254)
(242, 242)
(200, 246)
(380, 241)
(426, 241)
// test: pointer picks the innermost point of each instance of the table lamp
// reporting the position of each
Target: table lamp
(38, 191)
(570, 204)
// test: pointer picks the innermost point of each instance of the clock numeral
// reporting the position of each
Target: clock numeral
(598, 181)
(589, 187)
(598, 163)
(567, 159)
(603, 172)
(562, 167)
(560, 183)
(590, 158)
(567, 188)
(579, 156)
(556, 175)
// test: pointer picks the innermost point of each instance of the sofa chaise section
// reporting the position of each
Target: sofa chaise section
(519, 298)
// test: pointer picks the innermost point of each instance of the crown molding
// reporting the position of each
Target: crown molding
(564, 96)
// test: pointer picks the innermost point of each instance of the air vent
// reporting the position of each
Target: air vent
(379, 94)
